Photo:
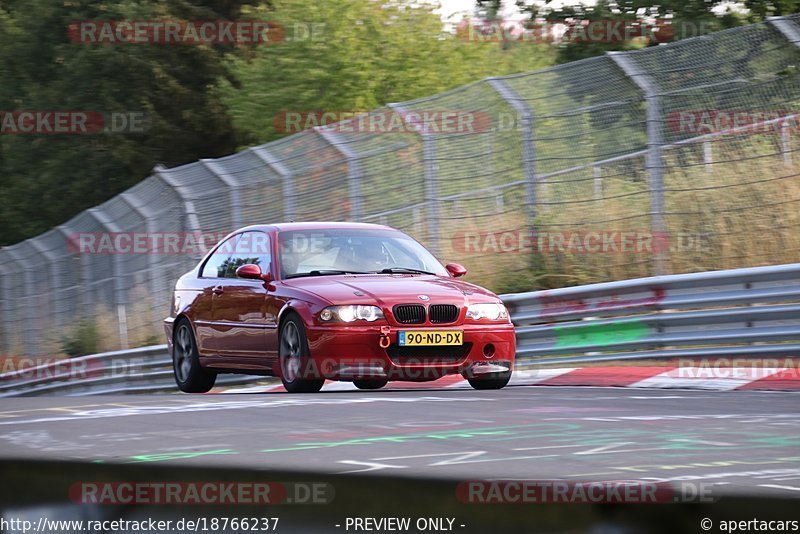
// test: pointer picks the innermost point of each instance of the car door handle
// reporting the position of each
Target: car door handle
(218, 290)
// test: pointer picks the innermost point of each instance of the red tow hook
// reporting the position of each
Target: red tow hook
(385, 341)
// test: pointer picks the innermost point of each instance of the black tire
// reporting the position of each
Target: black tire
(296, 367)
(190, 376)
(370, 383)
(492, 381)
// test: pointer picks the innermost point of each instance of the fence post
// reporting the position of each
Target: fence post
(30, 345)
(52, 263)
(431, 182)
(499, 202)
(787, 28)
(655, 162)
(192, 223)
(417, 217)
(6, 300)
(233, 188)
(64, 231)
(597, 174)
(791, 32)
(353, 169)
(143, 211)
(786, 143)
(286, 176)
(83, 277)
(528, 147)
(708, 156)
(120, 298)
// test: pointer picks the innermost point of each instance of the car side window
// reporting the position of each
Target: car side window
(217, 263)
(238, 250)
(251, 247)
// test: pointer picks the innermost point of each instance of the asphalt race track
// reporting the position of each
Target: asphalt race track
(744, 442)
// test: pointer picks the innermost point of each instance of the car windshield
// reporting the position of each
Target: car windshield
(340, 251)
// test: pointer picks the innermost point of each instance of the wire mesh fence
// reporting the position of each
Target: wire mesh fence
(670, 159)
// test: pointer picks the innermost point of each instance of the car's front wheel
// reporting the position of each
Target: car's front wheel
(295, 362)
(190, 376)
(492, 381)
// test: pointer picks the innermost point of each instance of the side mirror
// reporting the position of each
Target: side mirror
(251, 271)
(456, 269)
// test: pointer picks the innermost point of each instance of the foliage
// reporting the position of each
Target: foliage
(85, 339)
(204, 101)
(686, 18)
(361, 55)
(47, 178)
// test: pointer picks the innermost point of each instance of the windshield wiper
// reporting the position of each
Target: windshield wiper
(392, 270)
(322, 272)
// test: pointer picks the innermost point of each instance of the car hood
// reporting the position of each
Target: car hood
(392, 289)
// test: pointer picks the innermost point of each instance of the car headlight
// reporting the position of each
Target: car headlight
(348, 314)
(493, 312)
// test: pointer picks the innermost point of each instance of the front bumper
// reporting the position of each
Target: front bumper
(341, 352)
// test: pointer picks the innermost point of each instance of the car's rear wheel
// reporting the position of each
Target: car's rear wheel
(297, 370)
(492, 381)
(190, 376)
(370, 383)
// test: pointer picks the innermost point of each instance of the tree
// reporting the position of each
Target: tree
(357, 55)
(661, 21)
(47, 178)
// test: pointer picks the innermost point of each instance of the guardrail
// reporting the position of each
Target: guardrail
(142, 370)
(739, 312)
(753, 312)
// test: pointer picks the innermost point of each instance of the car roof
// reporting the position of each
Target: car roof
(312, 225)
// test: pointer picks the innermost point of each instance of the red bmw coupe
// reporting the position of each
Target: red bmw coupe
(340, 301)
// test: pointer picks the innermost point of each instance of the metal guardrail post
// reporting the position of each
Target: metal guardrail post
(353, 169)
(233, 187)
(655, 161)
(286, 176)
(432, 199)
(528, 144)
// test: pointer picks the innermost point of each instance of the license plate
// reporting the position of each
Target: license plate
(421, 338)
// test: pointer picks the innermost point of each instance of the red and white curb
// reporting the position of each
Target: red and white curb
(708, 378)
